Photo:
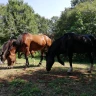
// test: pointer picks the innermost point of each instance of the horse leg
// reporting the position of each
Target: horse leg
(91, 60)
(42, 53)
(27, 61)
(19, 55)
(26, 57)
(32, 56)
(59, 60)
(70, 61)
(10, 63)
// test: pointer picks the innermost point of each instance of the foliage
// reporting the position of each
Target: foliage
(76, 2)
(42, 24)
(18, 17)
(80, 19)
(35, 81)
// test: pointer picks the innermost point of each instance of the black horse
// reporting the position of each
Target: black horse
(68, 44)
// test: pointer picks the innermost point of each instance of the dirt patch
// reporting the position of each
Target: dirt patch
(39, 73)
(36, 80)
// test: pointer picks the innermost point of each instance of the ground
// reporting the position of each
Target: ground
(35, 81)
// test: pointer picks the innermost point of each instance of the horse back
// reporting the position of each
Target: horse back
(39, 42)
(80, 43)
(48, 41)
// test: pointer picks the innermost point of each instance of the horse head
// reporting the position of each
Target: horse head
(57, 47)
(7, 50)
(50, 55)
(49, 62)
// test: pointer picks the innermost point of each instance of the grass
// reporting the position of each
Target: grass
(35, 81)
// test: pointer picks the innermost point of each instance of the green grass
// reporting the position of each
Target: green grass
(35, 81)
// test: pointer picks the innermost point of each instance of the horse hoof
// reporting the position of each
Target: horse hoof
(63, 64)
(27, 65)
(38, 65)
(89, 71)
(48, 72)
(11, 67)
(69, 73)
(24, 69)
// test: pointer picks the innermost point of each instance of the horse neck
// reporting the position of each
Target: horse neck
(13, 50)
(55, 47)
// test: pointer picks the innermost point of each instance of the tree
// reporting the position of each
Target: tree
(81, 19)
(75, 2)
(19, 18)
(42, 23)
(2, 26)
(54, 21)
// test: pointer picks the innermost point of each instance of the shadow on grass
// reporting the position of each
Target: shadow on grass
(56, 72)
(17, 67)
(41, 75)
(55, 83)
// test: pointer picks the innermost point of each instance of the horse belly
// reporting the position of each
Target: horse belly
(22, 49)
(82, 49)
(36, 47)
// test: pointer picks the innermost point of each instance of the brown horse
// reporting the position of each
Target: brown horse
(10, 56)
(27, 43)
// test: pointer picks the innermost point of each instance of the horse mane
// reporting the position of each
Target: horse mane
(18, 40)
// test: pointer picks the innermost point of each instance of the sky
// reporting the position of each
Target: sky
(46, 8)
